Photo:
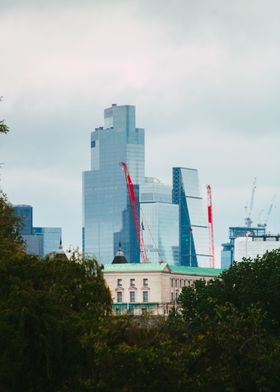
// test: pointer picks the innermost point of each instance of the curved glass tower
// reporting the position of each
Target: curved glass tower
(193, 232)
(107, 217)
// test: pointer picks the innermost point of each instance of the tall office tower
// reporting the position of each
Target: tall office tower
(25, 213)
(50, 239)
(160, 222)
(38, 240)
(193, 236)
(107, 217)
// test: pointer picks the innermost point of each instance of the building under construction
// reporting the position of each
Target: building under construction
(229, 254)
(152, 221)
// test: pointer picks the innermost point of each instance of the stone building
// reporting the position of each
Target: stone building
(137, 288)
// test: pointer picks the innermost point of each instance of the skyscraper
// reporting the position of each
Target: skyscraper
(107, 217)
(50, 238)
(193, 228)
(25, 213)
(160, 222)
(39, 241)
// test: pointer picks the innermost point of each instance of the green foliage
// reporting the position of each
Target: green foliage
(47, 308)
(3, 127)
(246, 283)
(11, 243)
(57, 332)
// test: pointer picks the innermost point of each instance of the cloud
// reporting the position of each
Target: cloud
(203, 75)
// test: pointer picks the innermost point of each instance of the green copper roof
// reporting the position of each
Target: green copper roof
(180, 269)
(134, 267)
(158, 267)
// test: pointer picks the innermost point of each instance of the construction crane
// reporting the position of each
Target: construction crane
(270, 209)
(248, 220)
(210, 226)
(135, 213)
(265, 221)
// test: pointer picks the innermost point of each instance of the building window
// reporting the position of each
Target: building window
(172, 297)
(171, 282)
(132, 282)
(145, 296)
(119, 282)
(132, 296)
(145, 282)
(92, 143)
(119, 297)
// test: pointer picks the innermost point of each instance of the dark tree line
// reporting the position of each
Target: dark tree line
(57, 332)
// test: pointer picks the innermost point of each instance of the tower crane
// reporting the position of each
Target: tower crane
(265, 221)
(270, 209)
(248, 220)
(135, 213)
(210, 226)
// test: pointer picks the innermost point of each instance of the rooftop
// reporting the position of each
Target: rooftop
(161, 267)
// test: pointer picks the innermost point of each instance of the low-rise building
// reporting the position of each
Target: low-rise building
(154, 287)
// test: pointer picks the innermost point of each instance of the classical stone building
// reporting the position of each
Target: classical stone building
(154, 287)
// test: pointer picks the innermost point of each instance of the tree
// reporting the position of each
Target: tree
(49, 309)
(3, 127)
(11, 243)
(249, 282)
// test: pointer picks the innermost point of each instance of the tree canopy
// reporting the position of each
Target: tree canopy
(57, 332)
(3, 127)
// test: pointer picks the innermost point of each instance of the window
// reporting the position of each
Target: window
(132, 282)
(92, 143)
(119, 282)
(132, 296)
(145, 282)
(171, 282)
(145, 296)
(172, 297)
(119, 296)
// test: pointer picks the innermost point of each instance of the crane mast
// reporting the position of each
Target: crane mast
(135, 213)
(210, 226)
(248, 220)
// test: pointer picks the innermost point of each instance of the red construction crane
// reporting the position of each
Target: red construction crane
(211, 226)
(135, 213)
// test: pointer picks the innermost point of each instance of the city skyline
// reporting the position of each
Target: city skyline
(204, 81)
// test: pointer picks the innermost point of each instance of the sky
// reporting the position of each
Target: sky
(203, 75)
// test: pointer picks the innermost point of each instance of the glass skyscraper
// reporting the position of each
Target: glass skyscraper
(193, 236)
(107, 217)
(38, 240)
(50, 238)
(25, 213)
(160, 222)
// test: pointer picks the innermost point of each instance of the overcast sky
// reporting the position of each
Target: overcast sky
(203, 75)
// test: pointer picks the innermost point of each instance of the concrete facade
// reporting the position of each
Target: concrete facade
(253, 246)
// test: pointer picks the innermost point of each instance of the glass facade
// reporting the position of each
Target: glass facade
(193, 236)
(25, 213)
(160, 222)
(51, 237)
(38, 240)
(107, 217)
